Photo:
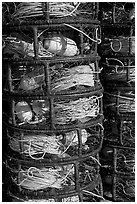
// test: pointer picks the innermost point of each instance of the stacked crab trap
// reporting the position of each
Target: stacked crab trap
(54, 96)
(118, 78)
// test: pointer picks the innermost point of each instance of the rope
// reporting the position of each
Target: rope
(76, 110)
(126, 104)
(127, 185)
(96, 41)
(34, 9)
(82, 75)
(39, 144)
(23, 49)
(95, 160)
(121, 45)
(36, 179)
(93, 194)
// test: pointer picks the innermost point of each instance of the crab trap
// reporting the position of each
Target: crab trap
(120, 131)
(50, 41)
(40, 77)
(119, 70)
(124, 189)
(54, 111)
(117, 40)
(55, 144)
(120, 101)
(120, 159)
(39, 181)
(118, 172)
(15, 12)
(118, 188)
(117, 12)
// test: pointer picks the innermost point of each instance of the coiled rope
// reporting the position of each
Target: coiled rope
(84, 108)
(76, 76)
(33, 146)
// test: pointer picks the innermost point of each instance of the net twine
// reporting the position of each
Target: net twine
(77, 110)
(75, 76)
(35, 145)
(126, 104)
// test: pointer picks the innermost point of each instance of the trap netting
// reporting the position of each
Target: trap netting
(120, 131)
(117, 12)
(124, 189)
(41, 112)
(39, 77)
(120, 101)
(38, 182)
(118, 172)
(119, 70)
(56, 145)
(117, 40)
(48, 41)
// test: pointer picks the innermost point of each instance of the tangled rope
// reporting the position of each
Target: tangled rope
(82, 75)
(41, 178)
(83, 110)
(36, 9)
(20, 48)
(35, 145)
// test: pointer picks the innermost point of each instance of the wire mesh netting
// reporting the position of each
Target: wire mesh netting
(120, 159)
(118, 172)
(86, 196)
(125, 160)
(41, 112)
(38, 146)
(117, 12)
(50, 180)
(125, 189)
(119, 70)
(51, 40)
(119, 41)
(120, 102)
(120, 131)
(39, 77)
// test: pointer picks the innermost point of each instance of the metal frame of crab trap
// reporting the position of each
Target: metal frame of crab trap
(93, 189)
(83, 191)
